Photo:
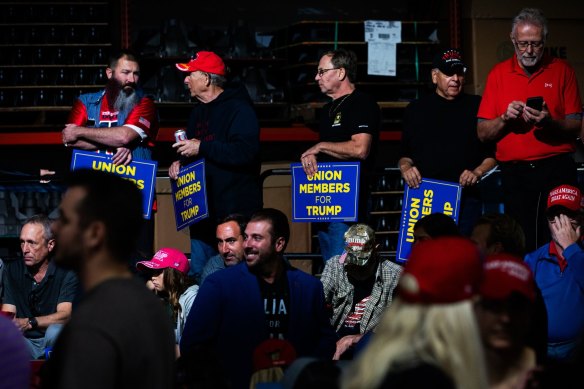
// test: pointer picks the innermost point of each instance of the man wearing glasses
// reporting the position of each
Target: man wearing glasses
(535, 139)
(349, 125)
(37, 292)
(558, 267)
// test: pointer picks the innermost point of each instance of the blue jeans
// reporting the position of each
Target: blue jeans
(200, 254)
(37, 346)
(332, 241)
(561, 351)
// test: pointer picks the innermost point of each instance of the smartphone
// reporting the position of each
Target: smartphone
(535, 102)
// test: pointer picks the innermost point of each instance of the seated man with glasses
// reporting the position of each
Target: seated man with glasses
(36, 291)
(558, 268)
(535, 142)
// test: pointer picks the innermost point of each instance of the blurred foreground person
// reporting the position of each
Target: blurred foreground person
(429, 337)
(119, 335)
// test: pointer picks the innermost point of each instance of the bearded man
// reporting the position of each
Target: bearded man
(119, 119)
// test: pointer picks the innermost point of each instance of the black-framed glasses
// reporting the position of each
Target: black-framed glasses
(321, 72)
(523, 45)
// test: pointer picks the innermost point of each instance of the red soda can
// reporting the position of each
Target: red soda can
(180, 134)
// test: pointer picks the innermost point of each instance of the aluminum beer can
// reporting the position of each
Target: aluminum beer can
(180, 134)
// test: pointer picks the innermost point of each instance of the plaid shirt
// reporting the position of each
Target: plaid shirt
(338, 292)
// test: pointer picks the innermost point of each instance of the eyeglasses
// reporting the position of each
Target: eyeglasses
(321, 72)
(523, 45)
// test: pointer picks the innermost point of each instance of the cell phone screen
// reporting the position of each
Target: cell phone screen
(535, 102)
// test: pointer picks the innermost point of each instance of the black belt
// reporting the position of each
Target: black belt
(537, 162)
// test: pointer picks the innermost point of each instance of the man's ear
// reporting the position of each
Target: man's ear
(434, 76)
(109, 73)
(51, 245)
(280, 244)
(95, 234)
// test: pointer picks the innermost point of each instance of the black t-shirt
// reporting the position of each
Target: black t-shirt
(119, 336)
(38, 299)
(361, 293)
(355, 113)
(276, 300)
(440, 136)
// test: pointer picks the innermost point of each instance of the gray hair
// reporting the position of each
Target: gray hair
(44, 221)
(531, 16)
(217, 80)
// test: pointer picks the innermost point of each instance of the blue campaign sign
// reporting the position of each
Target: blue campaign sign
(432, 196)
(189, 195)
(332, 194)
(140, 172)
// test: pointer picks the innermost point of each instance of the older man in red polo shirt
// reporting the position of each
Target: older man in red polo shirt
(535, 141)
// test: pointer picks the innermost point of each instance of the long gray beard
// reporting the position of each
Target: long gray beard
(126, 102)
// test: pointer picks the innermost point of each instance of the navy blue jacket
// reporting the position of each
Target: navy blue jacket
(228, 315)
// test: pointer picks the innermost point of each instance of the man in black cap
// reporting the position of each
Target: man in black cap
(439, 137)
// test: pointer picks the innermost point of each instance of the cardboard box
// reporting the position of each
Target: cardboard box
(277, 194)
(488, 43)
(507, 9)
(165, 233)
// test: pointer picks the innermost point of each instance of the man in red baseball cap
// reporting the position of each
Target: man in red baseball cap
(558, 267)
(223, 130)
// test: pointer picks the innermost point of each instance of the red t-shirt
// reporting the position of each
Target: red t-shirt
(555, 81)
(142, 118)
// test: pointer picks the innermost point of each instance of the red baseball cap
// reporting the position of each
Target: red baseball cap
(204, 61)
(441, 270)
(273, 353)
(166, 257)
(504, 274)
(567, 196)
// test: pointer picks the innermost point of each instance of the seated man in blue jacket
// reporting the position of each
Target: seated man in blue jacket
(558, 268)
(261, 298)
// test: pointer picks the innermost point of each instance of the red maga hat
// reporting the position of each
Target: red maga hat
(204, 61)
(441, 270)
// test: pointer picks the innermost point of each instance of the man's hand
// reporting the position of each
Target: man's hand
(70, 133)
(345, 343)
(173, 170)
(309, 164)
(514, 110)
(187, 148)
(411, 175)
(533, 116)
(22, 323)
(123, 156)
(469, 178)
(563, 232)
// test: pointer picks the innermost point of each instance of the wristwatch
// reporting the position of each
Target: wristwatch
(33, 322)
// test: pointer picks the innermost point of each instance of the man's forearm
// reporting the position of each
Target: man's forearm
(344, 150)
(492, 129)
(59, 317)
(111, 137)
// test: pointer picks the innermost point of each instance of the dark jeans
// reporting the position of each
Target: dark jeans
(526, 185)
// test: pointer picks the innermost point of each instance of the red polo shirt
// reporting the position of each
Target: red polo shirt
(555, 80)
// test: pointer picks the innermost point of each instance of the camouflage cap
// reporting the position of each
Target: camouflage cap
(359, 245)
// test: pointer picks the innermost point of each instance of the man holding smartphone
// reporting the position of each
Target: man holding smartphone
(531, 107)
